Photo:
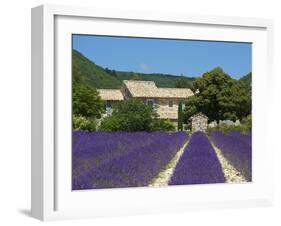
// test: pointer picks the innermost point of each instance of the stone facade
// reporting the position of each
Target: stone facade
(167, 108)
(199, 122)
(164, 100)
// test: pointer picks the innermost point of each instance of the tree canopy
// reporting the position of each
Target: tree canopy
(129, 115)
(219, 97)
(86, 101)
(183, 82)
(133, 115)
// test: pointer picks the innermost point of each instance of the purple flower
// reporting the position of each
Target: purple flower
(237, 149)
(121, 159)
(198, 164)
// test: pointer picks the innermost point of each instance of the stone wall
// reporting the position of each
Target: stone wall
(166, 111)
(199, 122)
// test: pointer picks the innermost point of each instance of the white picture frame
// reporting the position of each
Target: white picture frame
(52, 197)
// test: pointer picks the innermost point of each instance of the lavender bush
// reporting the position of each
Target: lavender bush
(120, 159)
(198, 164)
(245, 138)
(237, 148)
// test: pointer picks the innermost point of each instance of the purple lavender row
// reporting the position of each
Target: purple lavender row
(198, 164)
(245, 138)
(90, 150)
(136, 167)
(237, 149)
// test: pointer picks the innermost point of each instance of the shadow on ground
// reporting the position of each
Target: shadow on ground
(25, 212)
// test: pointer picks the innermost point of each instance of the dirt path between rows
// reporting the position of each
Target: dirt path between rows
(165, 175)
(231, 174)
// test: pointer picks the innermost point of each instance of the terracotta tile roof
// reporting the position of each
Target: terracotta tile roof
(149, 89)
(111, 94)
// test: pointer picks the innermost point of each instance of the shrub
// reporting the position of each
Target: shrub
(162, 125)
(244, 127)
(247, 122)
(81, 123)
(225, 129)
(133, 115)
(129, 115)
(110, 124)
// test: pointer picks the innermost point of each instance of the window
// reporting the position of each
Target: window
(108, 104)
(170, 103)
(150, 103)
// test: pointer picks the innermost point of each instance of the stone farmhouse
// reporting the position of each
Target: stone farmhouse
(165, 100)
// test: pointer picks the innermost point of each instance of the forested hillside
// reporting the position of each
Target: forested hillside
(247, 79)
(87, 72)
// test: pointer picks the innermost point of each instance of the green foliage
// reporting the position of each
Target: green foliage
(91, 74)
(183, 82)
(161, 80)
(86, 102)
(83, 124)
(87, 72)
(136, 77)
(162, 125)
(188, 126)
(247, 80)
(112, 124)
(227, 129)
(247, 122)
(220, 97)
(133, 115)
(180, 117)
(129, 115)
(245, 127)
(76, 73)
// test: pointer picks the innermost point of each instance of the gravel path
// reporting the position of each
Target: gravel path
(164, 176)
(231, 174)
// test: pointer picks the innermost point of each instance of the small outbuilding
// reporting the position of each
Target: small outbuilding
(199, 122)
(110, 97)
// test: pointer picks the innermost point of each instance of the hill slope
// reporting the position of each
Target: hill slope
(87, 72)
(247, 79)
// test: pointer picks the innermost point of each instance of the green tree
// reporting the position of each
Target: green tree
(183, 82)
(87, 102)
(247, 79)
(218, 96)
(76, 73)
(136, 77)
(130, 115)
(180, 117)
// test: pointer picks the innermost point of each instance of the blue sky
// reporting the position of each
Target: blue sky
(186, 57)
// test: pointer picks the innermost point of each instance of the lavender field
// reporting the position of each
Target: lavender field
(237, 149)
(133, 159)
(110, 160)
(199, 163)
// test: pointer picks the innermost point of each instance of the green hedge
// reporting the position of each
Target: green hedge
(162, 125)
